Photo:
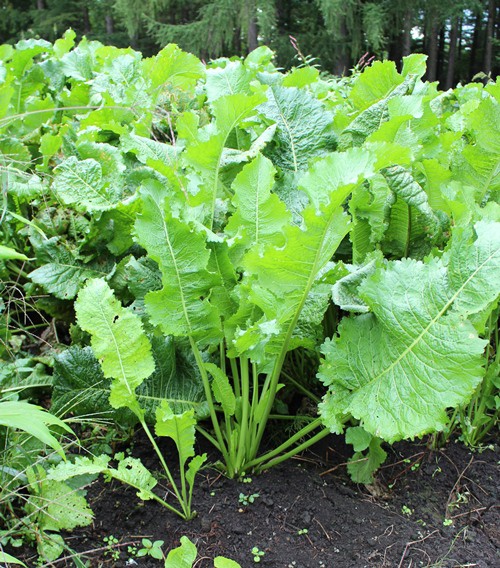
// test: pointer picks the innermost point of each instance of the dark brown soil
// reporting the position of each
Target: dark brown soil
(425, 509)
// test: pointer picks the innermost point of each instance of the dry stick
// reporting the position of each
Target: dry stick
(478, 510)
(92, 551)
(457, 482)
(408, 544)
(323, 529)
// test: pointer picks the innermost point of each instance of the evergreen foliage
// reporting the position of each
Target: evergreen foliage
(460, 37)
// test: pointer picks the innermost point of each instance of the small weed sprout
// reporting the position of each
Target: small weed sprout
(111, 542)
(302, 531)
(257, 554)
(152, 549)
(246, 500)
(406, 511)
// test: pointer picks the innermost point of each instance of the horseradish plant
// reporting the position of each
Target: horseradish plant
(243, 219)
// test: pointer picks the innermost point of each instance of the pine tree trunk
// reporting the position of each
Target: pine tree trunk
(440, 74)
(475, 46)
(432, 42)
(407, 25)
(86, 20)
(342, 63)
(40, 4)
(252, 36)
(110, 24)
(488, 51)
(450, 74)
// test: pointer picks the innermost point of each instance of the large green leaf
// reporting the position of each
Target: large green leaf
(398, 368)
(180, 308)
(206, 153)
(118, 341)
(281, 278)
(129, 470)
(63, 271)
(302, 127)
(260, 216)
(59, 506)
(81, 388)
(178, 427)
(172, 67)
(182, 556)
(80, 182)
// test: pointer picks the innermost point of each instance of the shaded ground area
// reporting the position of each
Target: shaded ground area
(426, 509)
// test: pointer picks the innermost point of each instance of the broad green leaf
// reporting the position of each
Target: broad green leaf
(302, 127)
(222, 389)
(146, 149)
(259, 216)
(64, 44)
(358, 437)
(206, 155)
(178, 427)
(180, 308)
(183, 556)
(118, 341)
(50, 546)
(231, 79)
(60, 506)
(130, 471)
(33, 420)
(402, 183)
(80, 182)
(80, 386)
(176, 379)
(285, 275)
(476, 293)
(398, 368)
(63, 271)
(363, 464)
(375, 83)
(172, 67)
(194, 467)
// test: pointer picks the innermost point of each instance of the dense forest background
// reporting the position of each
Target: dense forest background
(461, 37)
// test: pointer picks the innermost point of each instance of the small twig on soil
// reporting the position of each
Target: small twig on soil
(411, 543)
(340, 465)
(456, 486)
(199, 560)
(91, 551)
(478, 510)
(323, 529)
